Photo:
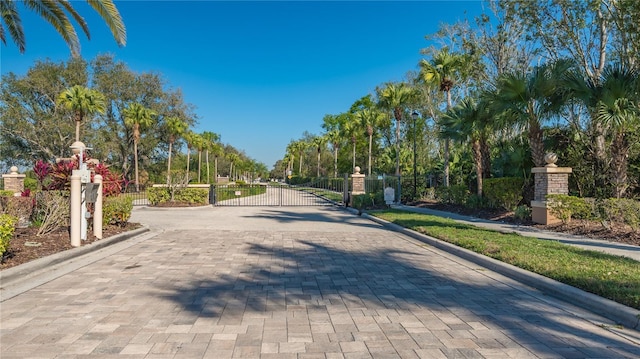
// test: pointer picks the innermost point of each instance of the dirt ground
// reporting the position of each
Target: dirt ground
(26, 246)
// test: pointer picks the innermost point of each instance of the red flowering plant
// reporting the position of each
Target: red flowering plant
(56, 176)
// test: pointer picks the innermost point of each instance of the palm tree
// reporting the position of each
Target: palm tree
(55, 13)
(82, 101)
(200, 145)
(176, 128)
(137, 117)
(334, 138)
(443, 71)
(395, 97)
(300, 146)
(531, 98)
(369, 119)
(613, 99)
(350, 129)
(469, 121)
(233, 158)
(318, 142)
(210, 140)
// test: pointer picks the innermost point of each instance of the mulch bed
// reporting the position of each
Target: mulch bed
(590, 229)
(26, 246)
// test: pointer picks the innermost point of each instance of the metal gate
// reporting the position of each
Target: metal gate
(277, 194)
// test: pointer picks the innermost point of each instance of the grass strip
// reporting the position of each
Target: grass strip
(609, 276)
(225, 193)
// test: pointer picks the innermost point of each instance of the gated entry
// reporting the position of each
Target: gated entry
(277, 194)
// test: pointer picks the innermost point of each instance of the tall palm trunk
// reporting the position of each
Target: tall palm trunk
(135, 159)
(335, 161)
(397, 146)
(620, 152)
(370, 133)
(169, 164)
(300, 165)
(353, 140)
(215, 169)
(535, 142)
(446, 147)
(318, 167)
(477, 159)
(188, 159)
(199, 164)
(206, 158)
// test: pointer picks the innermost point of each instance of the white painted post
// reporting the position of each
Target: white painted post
(97, 208)
(76, 203)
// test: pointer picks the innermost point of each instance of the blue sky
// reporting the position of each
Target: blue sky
(259, 73)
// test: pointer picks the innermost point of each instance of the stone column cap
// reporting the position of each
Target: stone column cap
(551, 170)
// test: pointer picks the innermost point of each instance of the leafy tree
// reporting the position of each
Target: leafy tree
(82, 102)
(137, 117)
(55, 13)
(31, 126)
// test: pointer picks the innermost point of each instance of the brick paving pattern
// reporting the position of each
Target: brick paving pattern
(354, 290)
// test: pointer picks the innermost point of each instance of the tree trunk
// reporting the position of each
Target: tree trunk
(206, 158)
(188, 159)
(486, 157)
(370, 144)
(135, 159)
(353, 139)
(477, 159)
(318, 168)
(335, 161)
(446, 147)
(199, 164)
(397, 146)
(535, 142)
(620, 152)
(169, 165)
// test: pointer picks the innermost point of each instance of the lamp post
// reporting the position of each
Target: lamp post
(415, 116)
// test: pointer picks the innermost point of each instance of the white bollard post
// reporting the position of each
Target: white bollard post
(97, 208)
(76, 203)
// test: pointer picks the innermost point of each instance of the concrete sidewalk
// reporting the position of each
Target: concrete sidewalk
(293, 282)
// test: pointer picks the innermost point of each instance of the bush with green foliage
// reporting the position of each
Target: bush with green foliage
(368, 201)
(620, 210)
(6, 193)
(189, 196)
(7, 227)
(505, 192)
(117, 210)
(565, 207)
(157, 195)
(522, 213)
(456, 194)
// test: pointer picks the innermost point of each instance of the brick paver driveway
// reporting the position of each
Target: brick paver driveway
(292, 283)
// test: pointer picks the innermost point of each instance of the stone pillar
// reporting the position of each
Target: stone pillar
(13, 181)
(550, 179)
(357, 182)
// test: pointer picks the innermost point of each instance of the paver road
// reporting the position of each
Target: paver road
(292, 283)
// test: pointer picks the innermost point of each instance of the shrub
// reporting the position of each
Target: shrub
(505, 192)
(17, 207)
(564, 207)
(117, 210)
(6, 193)
(157, 195)
(192, 196)
(474, 201)
(368, 200)
(7, 227)
(522, 213)
(197, 196)
(456, 194)
(622, 210)
(51, 211)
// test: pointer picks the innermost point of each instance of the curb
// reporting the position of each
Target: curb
(10, 275)
(621, 314)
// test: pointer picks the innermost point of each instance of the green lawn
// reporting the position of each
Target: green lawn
(608, 276)
(224, 193)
